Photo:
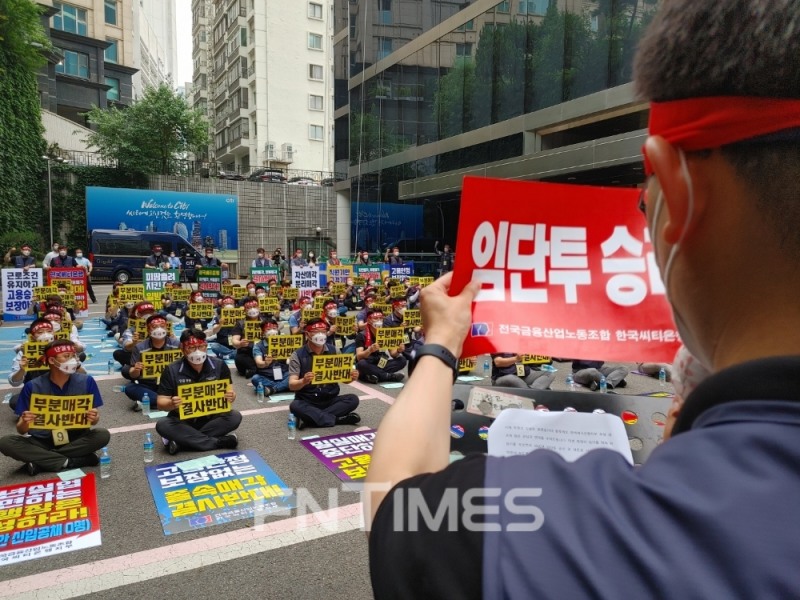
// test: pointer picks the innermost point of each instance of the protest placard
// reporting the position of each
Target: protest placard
(281, 347)
(155, 361)
(201, 310)
(567, 269)
(155, 282)
(311, 313)
(337, 289)
(264, 274)
(383, 307)
(61, 412)
(269, 304)
(340, 273)
(465, 365)
(332, 368)
(412, 318)
(34, 352)
(251, 330)
(534, 359)
(290, 293)
(347, 455)
(41, 292)
(77, 277)
(390, 337)
(130, 293)
(209, 281)
(345, 325)
(238, 292)
(19, 292)
(216, 489)
(401, 271)
(397, 291)
(180, 294)
(203, 398)
(228, 317)
(320, 301)
(305, 279)
(43, 518)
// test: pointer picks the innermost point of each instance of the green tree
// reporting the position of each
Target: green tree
(152, 134)
(453, 99)
(23, 45)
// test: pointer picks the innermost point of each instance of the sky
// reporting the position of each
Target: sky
(183, 16)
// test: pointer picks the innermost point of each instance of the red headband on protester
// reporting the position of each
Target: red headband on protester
(41, 325)
(318, 326)
(704, 123)
(193, 341)
(58, 349)
(160, 320)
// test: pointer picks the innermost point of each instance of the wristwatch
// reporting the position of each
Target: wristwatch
(439, 352)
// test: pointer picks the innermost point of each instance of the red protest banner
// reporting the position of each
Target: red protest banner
(567, 271)
(78, 278)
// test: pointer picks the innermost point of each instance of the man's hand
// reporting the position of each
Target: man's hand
(28, 417)
(308, 378)
(94, 416)
(139, 366)
(353, 375)
(23, 363)
(446, 319)
(230, 395)
(176, 401)
(374, 348)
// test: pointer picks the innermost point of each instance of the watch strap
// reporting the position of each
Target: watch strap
(439, 352)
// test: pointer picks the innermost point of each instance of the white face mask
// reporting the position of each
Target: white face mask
(62, 253)
(377, 324)
(56, 326)
(159, 333)
(69, 367)
(261, 295)
(333, 313)
(78, 255)
(129, 305)
(319, 339)
(197, 357)
(308, 306)
(270, 332)
(396, 253)
(402, 310)
(251, 292)
(688, 339)
(46, 337)
(252, 312)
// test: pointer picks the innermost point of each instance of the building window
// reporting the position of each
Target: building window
(314, 10)
(384, 47)
(504, 6)
(111, 53)
(315, 41)
(353, 23)
(113, 93)
(316, 132)
(111, 12)
(534, 7)
(315, 72)
(385, 12)
(243, 36)
(69, 18)
(315, 102)
(75, 64)
(464, 50)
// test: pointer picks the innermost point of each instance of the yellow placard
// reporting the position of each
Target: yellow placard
(534, 359)
(390, 337)
(201, 310)
(238, 292)
(131, 293)
(228, 317)
(425, 281)
(281, 347)
(204, 398)
(332, 368)
(227, 289)
(61, 335)
(412, 318)
(276, 291)
(397, 291)
(465, 365)
(61, 412)
(139, 327)
(269, 304)
(68, 300)
(155, 361)
(361, 281)
(345, 325)
(338, 289)
(34, 352)
(320, 301)
(290, 293)
(41, 292)
(62, 283)
(386, 309)
(180, 294)
(252, 331)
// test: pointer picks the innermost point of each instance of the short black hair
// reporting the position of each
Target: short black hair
(734, 48)
(192, 333)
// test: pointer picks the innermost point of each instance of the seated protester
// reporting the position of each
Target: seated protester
(171, 311)
(158, 340)
(272, 374)
(344, 344)
(41, 330)
(412, 294)
(286, 304)
(296, 321)
(157, 260)
(221, 346)
(245, 363)
(117, 319)
(399, 307)
(589, 372)
(507, 371)
(376, 364)
(57, 321)
(129, 337)
(361, 318)
(250, 286)
(653, 369)
(37, 448)
(353, 298)
(210, 432)
(193, 324)
(318, 405)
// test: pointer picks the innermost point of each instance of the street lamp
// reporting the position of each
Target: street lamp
(50, 192)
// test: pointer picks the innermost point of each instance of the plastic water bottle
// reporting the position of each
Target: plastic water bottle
(110, 366)
(662, 377)
(486, 367)
(292, 426)
(148, 447)
(570, 382)
(603, 384)
(105, 464)
(260, 393)
(119, 388)
(146, 404)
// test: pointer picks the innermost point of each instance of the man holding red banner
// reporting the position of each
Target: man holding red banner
(709, 514)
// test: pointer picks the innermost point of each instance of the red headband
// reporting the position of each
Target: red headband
(704, 123)
(377, 313)
(158, 320)
(193, 341)
(58, 349)
(319, 325)
(40, 326)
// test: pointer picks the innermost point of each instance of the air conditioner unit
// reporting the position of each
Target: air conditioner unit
(288, 152)
(271, 151)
